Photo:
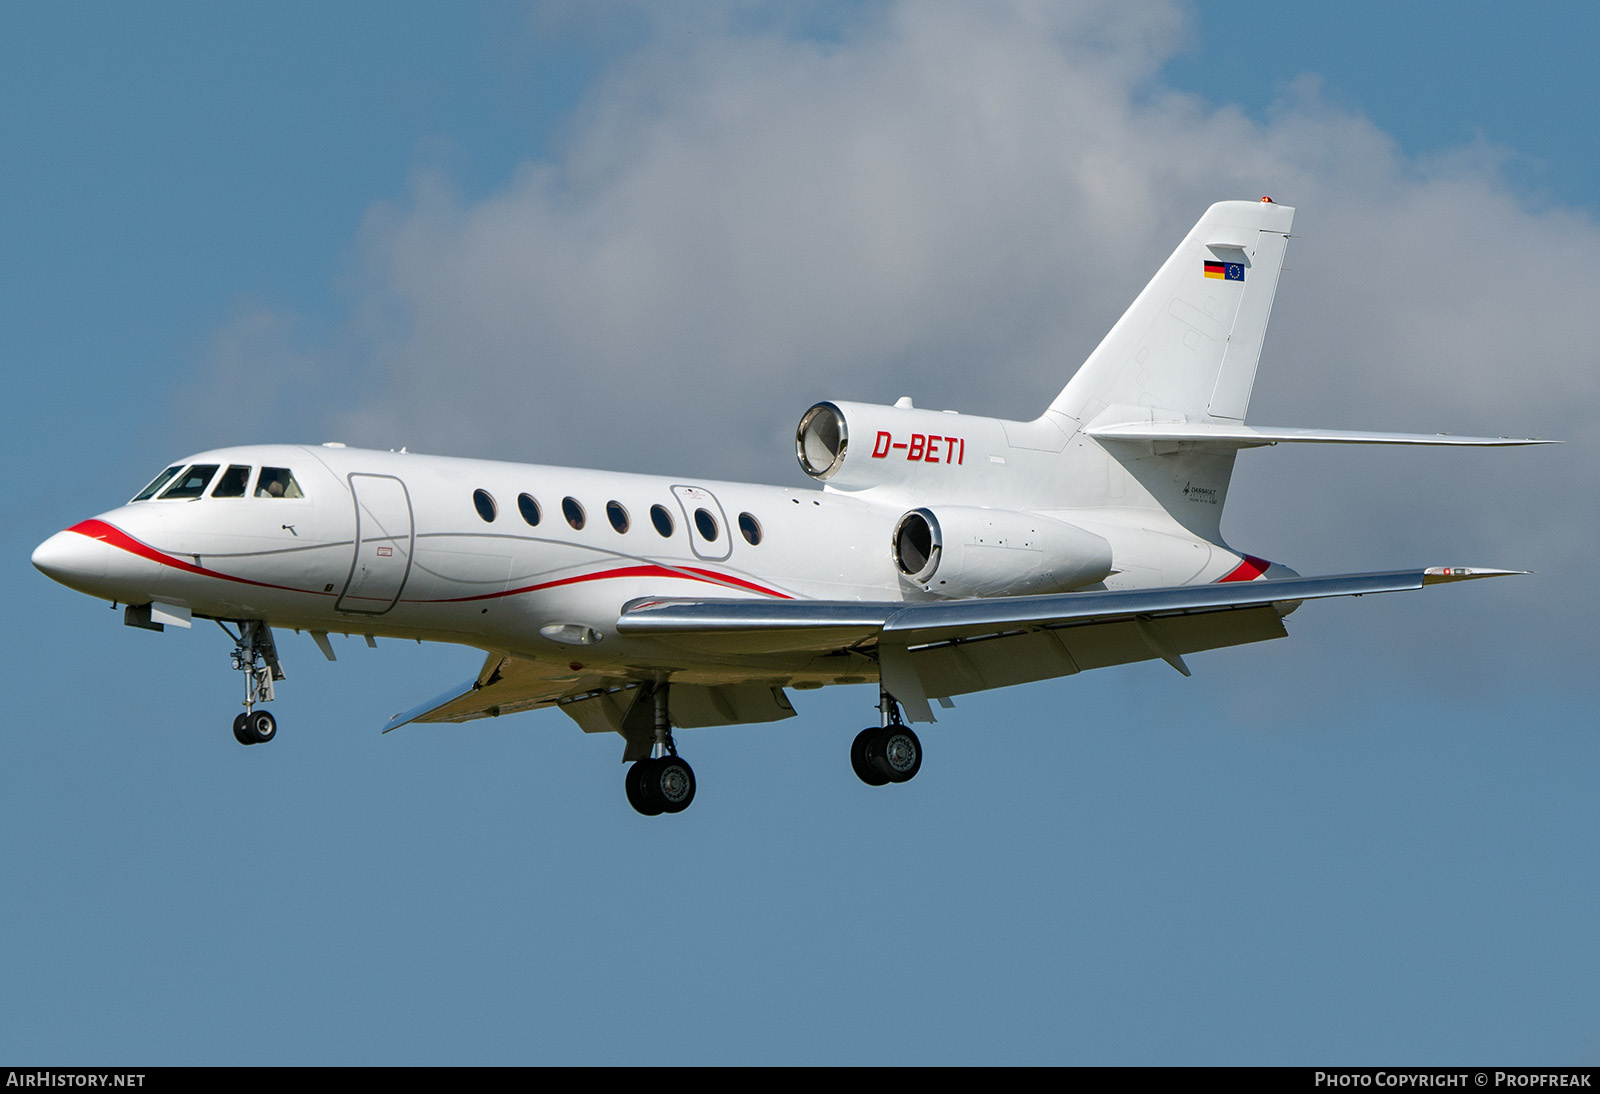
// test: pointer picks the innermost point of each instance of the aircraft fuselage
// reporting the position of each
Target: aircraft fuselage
(533, 560)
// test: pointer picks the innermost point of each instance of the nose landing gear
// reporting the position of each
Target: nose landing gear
(255, 655)
(255, 728)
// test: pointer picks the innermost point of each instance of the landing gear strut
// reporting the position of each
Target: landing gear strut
(661, 782)
(255, 655)
(886, 753)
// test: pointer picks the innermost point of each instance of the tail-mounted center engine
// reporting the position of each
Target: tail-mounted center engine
(858, 446)
(821, 441)
(961, 552)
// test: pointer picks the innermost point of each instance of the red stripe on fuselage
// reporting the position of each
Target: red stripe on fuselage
(115, 537)
(724, 579)
(1248, 570)
(710, 577)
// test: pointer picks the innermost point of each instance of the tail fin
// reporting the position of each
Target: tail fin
(1161, 401)
(1186, 351)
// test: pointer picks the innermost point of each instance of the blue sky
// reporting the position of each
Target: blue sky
(1373, 842)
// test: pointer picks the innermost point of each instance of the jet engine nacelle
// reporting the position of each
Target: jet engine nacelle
(856, 446)
(964, 552)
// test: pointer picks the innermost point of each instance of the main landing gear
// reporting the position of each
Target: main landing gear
(661, 782)
(886, 753)
(255, 655)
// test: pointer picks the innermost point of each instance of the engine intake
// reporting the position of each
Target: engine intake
(917, 545)
(821, 440)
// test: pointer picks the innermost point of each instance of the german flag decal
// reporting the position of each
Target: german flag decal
(1225, 271)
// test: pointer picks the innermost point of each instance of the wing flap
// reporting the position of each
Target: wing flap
(957, 668)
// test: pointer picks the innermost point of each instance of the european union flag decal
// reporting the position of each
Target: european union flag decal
(1225, 271)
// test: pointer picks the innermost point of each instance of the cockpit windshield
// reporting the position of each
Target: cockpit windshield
(232, 482)
(192, 483)
(157, 483)
(181, 481)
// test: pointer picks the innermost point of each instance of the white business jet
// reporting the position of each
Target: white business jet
(943, 554)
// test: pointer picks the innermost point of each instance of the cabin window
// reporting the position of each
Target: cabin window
(750, 529)
(662, 520)
(277, 482)
(707, 524)
(529, 509)
(233, 482)
(617, 515)
(192, 483)
(484, 504)
(157, 483)
(573, 512)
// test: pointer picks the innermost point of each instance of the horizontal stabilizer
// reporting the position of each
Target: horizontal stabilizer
(1221, 435)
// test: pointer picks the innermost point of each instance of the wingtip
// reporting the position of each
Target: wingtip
(404, 718)
(1437, 575)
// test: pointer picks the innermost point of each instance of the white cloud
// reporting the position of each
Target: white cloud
(955, 201)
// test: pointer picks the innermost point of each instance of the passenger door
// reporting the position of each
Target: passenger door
(383, 545)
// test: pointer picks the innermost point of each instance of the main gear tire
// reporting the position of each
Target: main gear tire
(861, 762)
(638, 791)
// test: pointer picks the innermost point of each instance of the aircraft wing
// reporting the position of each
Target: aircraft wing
(505, 685)
(935, 649)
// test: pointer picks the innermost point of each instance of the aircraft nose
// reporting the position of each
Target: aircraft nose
(70, 558)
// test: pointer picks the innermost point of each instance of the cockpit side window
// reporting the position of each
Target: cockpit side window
(157, 483)
(192, 483)
(233, 482)
(277, 482)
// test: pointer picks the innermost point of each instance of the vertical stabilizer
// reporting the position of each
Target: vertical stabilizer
(1187, 349)
(1185, 352)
